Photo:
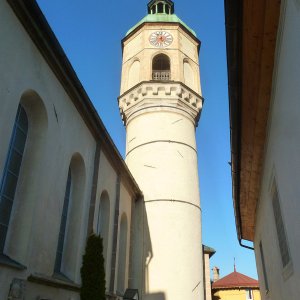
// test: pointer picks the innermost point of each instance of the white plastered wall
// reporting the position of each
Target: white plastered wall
(125, 210)
(107, 181)
(23, 68)
(282, 163)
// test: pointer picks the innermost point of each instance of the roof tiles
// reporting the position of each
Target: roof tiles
(235, 280)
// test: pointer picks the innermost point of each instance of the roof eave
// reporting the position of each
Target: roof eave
(35, 23)
(233, 21)
(250, 59)
(236, 287)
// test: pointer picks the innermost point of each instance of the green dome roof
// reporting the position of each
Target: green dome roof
(161, 18)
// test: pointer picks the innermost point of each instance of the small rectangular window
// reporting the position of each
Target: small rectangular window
(262, 257)
(281, 234)
(249, 295)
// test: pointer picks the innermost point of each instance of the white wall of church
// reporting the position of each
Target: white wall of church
(36, 216)
(58, 138)
(282, 165)
(107, 181)
(124, 248)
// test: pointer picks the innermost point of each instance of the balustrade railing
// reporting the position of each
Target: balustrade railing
(161, 75)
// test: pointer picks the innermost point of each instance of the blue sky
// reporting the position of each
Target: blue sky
(90, 32)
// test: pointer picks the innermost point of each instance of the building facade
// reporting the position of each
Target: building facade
(62, 177)
(207, 254)
(235, 286)
(263, 66)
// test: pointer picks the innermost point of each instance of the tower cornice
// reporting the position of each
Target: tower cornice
(154, 96)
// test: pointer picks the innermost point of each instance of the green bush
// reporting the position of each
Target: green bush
(92, 270)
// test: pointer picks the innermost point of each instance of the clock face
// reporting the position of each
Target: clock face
(161, 39)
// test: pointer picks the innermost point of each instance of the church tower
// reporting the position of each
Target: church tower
(160, 105)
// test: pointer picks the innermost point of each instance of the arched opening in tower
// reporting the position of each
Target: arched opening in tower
(160, 8)
(161, 67)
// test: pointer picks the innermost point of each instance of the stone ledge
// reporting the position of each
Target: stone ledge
(54, 282)
(111, 296)
(160, 91)
(8, 262)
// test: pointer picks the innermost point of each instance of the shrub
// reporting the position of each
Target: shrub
(92, 270)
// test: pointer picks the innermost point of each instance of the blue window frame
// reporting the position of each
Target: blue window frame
(12, 171)
(63, 226)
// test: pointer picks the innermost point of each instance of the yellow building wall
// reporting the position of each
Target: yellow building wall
(234, 295)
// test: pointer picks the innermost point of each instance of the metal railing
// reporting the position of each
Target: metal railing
(161, 75)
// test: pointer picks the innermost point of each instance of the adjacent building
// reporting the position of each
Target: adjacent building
(208, 252)
(263, 47)
(236, 286)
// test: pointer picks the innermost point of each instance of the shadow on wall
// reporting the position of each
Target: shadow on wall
(141, 251)
(148, 252)
(156, 296)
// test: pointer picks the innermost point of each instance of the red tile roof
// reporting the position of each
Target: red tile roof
(235, 280)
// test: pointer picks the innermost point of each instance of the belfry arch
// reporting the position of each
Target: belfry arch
(161, 67)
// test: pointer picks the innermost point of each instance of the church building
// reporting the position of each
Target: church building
(62, 178)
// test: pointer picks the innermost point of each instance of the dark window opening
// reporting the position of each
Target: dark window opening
(249, 294)
(63, 225)
(262, 257)
(160, 8)
(161, 69)
(11, 172)
(281, 234)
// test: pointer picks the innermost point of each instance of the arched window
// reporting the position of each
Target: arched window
(63, 225)
(189, 77)
(122, 255)
(11, 172)
(161, 68)
(134, 74)
(103, 221)
(17, 243)
(71, 219)
(160, 8)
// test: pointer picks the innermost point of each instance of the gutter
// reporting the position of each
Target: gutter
(245, 246)
(234, 21)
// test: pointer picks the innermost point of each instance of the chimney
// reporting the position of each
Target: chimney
(216, 274)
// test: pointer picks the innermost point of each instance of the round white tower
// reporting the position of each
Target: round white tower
(160, 104)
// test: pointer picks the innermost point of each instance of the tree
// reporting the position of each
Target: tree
(92, 270)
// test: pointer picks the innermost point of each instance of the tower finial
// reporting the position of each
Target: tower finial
(234, 266)
(161, 7)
